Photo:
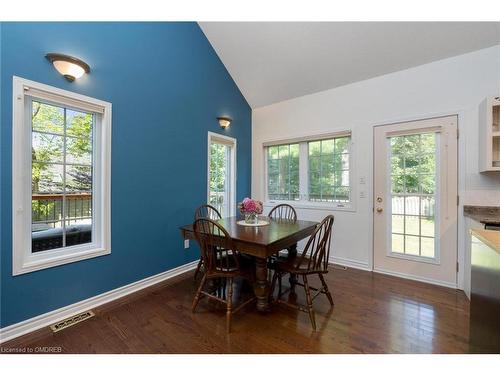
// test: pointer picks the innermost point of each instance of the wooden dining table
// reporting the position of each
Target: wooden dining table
(261, 242)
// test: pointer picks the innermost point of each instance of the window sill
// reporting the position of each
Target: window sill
(58, 257)
(414, 258)
(312, 206)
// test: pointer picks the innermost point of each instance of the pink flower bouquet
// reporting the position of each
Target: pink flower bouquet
(251, 209)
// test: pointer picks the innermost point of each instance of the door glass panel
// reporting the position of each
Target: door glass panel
(413, 168)
(219, 196)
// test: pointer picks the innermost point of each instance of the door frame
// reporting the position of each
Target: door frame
(224, 139)
(461, 176)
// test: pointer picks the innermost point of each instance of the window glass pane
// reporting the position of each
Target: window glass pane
(283, 172)
(329, 170)
(412, 225)
(412, 245)
(427, 225)
(314, 148)
(61, 192)
(398, 205)
(47, 148)
(342, 194)
(78, 178)
(427, 247)
(78, 151)
(327, 146)
(273, 152)
(47, 118)
(397, 243)
(398, 224)
(342, 145)
(47, 178)
(412, 205)
(79, 124)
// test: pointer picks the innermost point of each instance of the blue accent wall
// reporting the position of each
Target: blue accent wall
(167, 87)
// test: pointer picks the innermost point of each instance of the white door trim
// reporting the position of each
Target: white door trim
(224, 139)
(460, 112)
(449, 199)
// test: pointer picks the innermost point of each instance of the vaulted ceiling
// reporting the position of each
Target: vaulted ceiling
(275, 61)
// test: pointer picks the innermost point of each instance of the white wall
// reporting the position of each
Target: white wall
(451, 86)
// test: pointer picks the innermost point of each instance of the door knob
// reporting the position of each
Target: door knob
(380, 209)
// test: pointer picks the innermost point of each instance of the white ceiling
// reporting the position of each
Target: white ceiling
(275, 61)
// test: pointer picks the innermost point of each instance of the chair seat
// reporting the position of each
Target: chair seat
(294, 265)
(246, 268)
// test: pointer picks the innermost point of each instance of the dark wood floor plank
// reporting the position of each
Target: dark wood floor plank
(373, 313)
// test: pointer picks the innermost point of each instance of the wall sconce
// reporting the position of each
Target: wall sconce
(224, 122)
(70, 67)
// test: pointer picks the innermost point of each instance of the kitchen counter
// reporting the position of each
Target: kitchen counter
(484, 214)
(484, 334)
(489, 237)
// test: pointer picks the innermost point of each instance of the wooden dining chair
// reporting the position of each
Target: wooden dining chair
(312, 261)
(221, 261)
(283, 212)
(210, 212)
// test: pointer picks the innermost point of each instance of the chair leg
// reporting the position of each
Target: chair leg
(279, 285)
(309, 302)
(198, 293)
(325, 288)
(229, 306)
(198, 268)
(273, 284)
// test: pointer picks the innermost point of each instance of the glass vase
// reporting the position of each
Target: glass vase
(251, 218)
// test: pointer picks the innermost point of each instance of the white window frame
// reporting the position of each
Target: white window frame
(303, 201)
(231, 142)
(23, 260)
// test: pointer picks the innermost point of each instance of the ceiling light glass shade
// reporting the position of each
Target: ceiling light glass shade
(224, 122)
(70, 67)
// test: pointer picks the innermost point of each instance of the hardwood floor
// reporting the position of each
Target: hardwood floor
(373, 313)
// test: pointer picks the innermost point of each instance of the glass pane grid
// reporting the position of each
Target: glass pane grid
(283, 172)
(413, 171)
(329, 170)
(61, 191)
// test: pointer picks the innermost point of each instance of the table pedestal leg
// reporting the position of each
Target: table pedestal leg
(292, 252)
(261, 286)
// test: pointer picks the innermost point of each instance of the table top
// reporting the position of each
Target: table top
(275, 232)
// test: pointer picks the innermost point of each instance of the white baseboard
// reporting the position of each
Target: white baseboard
(45, 320)
(350, 263)
(416, 278)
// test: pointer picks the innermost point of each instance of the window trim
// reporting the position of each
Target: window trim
(303, 202)
(23, 260)
(230, 141)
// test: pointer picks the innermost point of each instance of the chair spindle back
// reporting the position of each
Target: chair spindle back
(207, 211)
(216, 247)
(317, 250)
(283, 212)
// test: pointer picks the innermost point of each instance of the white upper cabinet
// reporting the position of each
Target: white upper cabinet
(489, 135)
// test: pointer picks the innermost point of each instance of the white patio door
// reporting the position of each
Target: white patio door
(415, 200)
(222, 173)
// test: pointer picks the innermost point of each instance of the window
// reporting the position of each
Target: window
(329, 170)
(221, 173)
(312, 171)
(283, 172)
(61, 172)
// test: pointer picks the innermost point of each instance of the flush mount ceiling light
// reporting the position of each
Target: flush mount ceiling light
(224, 122)
(70, 67)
